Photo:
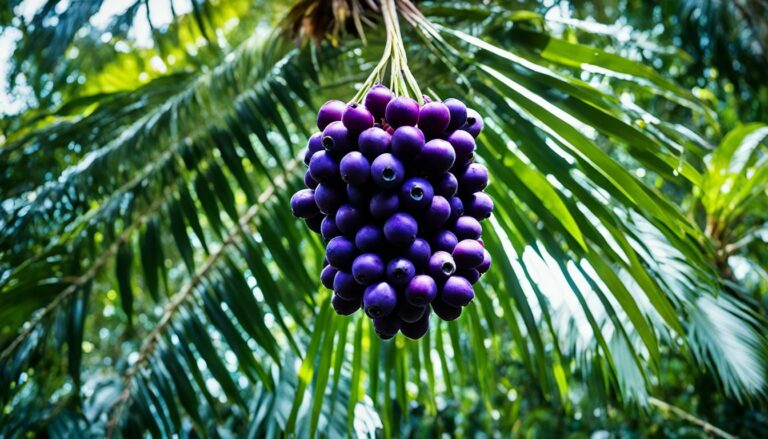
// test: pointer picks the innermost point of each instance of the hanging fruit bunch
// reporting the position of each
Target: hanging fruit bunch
(394, 191)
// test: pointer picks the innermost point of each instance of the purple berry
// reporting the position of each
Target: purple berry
(309, 181)
(368, 268)
(328, 229)
(468, 253)
(374, 142)
(336, 139)
(470, 274)
(457, 291)
(416, 194)
(324, 168)
(407, 142)
(345, 307)
(457, 208)
(438, 213)
(444, 240)
(384, 204)
(357, 118)
(377, 99)
(387, 171)
(331, 111)
(359, 196)
(340, 253)
(440, 266)
(434, 118)
(314, 145)
(303, 204)
(409, 313)
(329, 198)
(474, 123)
(355, 168)
(486, 264)
(387, 327)
(400, 271)
(446, 185)
(370, 238)
(463, 144)
(467, 227)
(314, 222)
(327, 276)
(402, 111)
(421, 290)
(473, 179)
(445, 311)
(437, 157)
(349, 219)
(346, 287)
(379, 300)
(479, 205)
(418, 253)
(416, 330)
(458, 113)
(400, 229)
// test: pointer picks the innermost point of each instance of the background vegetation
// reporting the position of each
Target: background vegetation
(153, 280)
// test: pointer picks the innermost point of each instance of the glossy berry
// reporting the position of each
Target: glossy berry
(416, 194)
(457, 208)
(463, 145)
(434, 118)
(479, 205)
(329, 198)
(346, 287)
(400, 271)
(376, 100)
(327, 276)
(418, 253)
(467, 227)
(486, 264)
(331, 111)
(384, 204)
(421, 290)
(357, 118)
(441, 266)
(379, 300)
(438, 213)
(407, 142)
(324, 168)
(355, 168)
(349, 219)
(443, 240)
(314, 145)
(370, 238)
(368, 268)
(457, 291)
(387, 171)
(314, 222)
(416, 330)
(409, 313)
(309, 181)
(473, 179)
(445, 311)
(374, 142)
(437, 157)
(458, 112)
(474, 124)
(400, 229)
(336, 139)
(345, 307)
(387, 327)
(468, 253)
(303, 204)
(470, 274)
(445, 185)
(402, 111)
(340, 252)
(328, 229)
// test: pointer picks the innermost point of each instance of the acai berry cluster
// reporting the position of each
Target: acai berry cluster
(394, 191)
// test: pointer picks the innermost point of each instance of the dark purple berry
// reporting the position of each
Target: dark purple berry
(331, 111)
(368, 268)
(346, 287)
(303, 204)
(384, 204)
(400, 271)
(357, 118)
(379, 300)
(474, 123)
(355, 168)
(328, 229)
(434, 118)
(409, 313)
(309, 181)
(324, 168)
(467, 227)
(446, 185)
(416, 194)
(329, 198)
(359, 196)
(486, 264)
(468, 253)
(479, 205)
(402, 111)
(418, 253)
(336, 139)
(437, 157)
(345, 307)
(457, 208)
(421, 290)
(463, 144)
(470, 274)
(458, 113)
(400, 229)
(387, 327)
(407, 142)
(387, 171)
(370, 238)
(314, 222)
(441, 266)
(417, 329)
(340, 253)
(349, 219)
(314, 145)
(457, 291)
(327, 276)
(374, 142)
(473, 179)
(438, 213)
(443, 240)
(377, 99)
(445, 311)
